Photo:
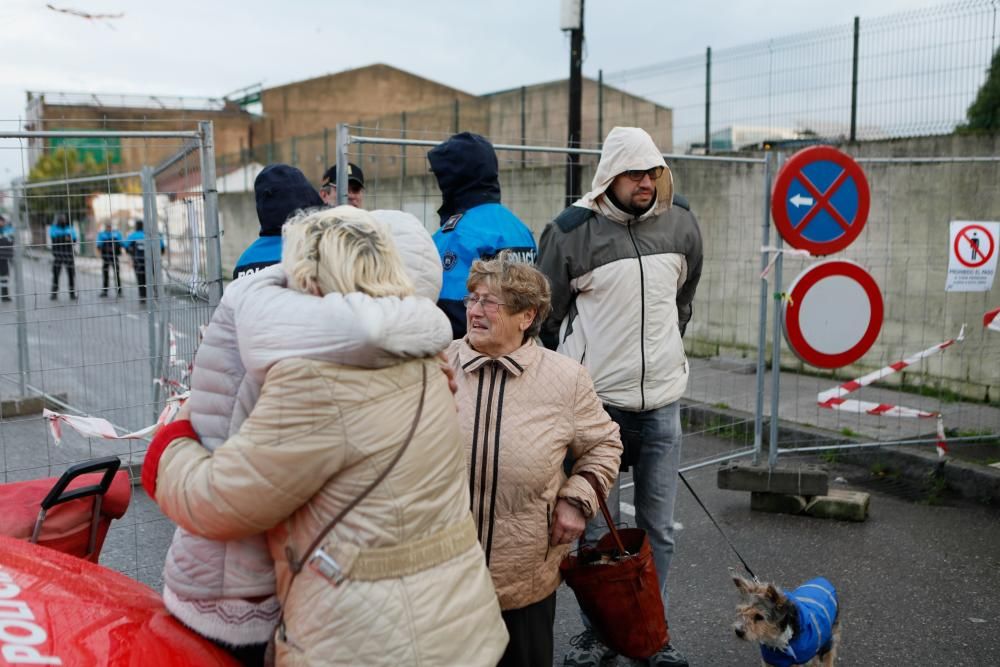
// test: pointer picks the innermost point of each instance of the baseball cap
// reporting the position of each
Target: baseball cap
(354, 175)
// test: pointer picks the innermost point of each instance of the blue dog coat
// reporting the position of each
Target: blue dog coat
(816, 609)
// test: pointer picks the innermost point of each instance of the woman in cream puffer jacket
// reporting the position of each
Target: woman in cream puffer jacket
(408, 584)
(225, 590)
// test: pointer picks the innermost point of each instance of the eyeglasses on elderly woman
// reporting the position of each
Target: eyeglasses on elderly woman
(637, 174)
(489, 304)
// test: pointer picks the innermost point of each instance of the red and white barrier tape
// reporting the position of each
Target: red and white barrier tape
(833, 399)
(95, 427)
(991, 320)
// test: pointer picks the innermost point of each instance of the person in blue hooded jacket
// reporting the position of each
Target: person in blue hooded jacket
(280, 191)
(474, 224)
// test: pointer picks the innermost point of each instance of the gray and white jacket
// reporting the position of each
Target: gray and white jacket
(623, 285)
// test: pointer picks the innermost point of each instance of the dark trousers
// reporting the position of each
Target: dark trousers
(106, 267)
(5, 279)
(530, 630)
(140, 278)
(57, 265)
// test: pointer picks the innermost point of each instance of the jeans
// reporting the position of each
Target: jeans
(657, 434)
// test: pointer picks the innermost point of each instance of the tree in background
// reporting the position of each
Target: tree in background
(984, 113)
(43, 204)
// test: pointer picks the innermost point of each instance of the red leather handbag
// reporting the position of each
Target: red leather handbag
(616, 586)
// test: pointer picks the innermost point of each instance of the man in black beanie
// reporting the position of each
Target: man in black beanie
(280, 191)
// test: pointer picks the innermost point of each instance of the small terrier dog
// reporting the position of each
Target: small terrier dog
(797, 628)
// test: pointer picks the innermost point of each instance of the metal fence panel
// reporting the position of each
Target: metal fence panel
(95, 350)
(904, 246)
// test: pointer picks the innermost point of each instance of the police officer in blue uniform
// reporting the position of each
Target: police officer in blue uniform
(6, 255)
(280, 191)
(109, 244)
(135, 246)
(62, 237)
(474, 224)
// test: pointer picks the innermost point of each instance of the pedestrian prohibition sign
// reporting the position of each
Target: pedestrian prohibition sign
(974, 246)
(972, 255)
(820, 201)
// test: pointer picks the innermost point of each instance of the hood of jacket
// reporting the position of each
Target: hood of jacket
(627, 148)
(280, 190)
(467, 173)
(417, 249)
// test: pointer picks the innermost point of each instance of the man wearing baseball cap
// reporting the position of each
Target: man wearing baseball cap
(355, 186)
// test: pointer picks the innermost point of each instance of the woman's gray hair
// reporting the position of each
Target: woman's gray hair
(520, 286)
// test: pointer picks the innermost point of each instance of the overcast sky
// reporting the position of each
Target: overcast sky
(210, 48)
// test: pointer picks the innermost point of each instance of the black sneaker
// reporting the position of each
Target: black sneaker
(668, 656)
(588, 651)
(104, 294)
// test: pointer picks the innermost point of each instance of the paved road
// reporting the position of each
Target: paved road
(918, 582)
(96, 351)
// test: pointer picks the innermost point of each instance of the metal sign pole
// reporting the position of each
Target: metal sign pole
(772, 445)
(758, 417)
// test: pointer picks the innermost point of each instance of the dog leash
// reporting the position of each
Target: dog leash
(719, 528)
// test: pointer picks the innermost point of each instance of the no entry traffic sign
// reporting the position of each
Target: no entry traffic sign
(820, 201)
(834, 314)
(972, 256)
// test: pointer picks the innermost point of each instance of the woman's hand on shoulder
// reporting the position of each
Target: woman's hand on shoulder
(448, 371)
(568, 523)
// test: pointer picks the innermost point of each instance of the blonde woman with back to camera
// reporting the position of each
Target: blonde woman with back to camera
(357, 478)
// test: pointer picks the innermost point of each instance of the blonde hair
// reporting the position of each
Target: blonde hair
(521, 286)
(342, 249)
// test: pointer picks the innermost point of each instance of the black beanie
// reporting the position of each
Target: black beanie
(280, 191)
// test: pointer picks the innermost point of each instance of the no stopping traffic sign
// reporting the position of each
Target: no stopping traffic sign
(820, 201)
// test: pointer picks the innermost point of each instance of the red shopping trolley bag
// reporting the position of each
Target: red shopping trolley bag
(70, 513)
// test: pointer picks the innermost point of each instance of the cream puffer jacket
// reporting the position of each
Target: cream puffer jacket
(520, 415)
(259, 322)
(318, 435)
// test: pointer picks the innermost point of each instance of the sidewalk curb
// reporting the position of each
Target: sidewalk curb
(978, 483)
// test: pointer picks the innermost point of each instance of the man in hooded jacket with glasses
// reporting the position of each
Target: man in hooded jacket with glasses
(624, 262)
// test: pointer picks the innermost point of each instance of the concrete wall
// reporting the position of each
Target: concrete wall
(238, 221)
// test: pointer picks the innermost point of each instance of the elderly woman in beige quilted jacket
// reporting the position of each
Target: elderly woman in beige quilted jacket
(401, 579)
(522, 408)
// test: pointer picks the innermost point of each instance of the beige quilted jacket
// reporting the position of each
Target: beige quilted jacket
(519, 415)
(318, 435)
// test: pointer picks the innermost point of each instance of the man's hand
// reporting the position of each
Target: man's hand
(568, 523)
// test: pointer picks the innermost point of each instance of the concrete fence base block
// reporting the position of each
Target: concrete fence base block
(27, 405)
(777, 503)
(789, 479)
(840, 504)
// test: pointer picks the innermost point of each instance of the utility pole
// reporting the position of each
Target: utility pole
(572, 20)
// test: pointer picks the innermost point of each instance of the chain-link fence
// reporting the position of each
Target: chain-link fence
(731, 337)
(109, 278)
(908, 74)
